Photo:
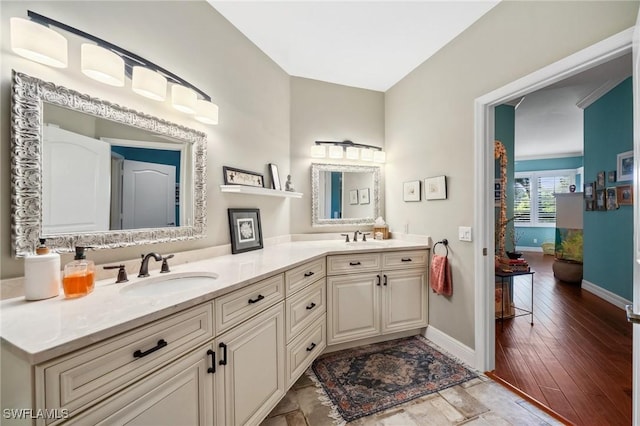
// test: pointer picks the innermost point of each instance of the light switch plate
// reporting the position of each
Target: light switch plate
(464, 233)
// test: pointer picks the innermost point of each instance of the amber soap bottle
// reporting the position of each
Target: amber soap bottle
(79, 275)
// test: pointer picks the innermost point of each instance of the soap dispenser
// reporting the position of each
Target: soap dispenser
(79, 275)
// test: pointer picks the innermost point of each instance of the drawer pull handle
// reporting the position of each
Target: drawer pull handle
(256, 300)
(308, 274)
(355, 263)
(161, 344)
(310, 348)
(378, 283)
(223, 361)
(212, 369)
(311, 306)
(385, 280)
(406, 259)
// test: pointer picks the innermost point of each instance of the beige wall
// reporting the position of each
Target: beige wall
(193, 41)
(430, 120)
(329, 112)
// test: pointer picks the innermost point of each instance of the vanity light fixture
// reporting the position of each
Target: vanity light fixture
(103, 61)
(183, 99)
(148, 83)
(354, 151)
(38, 43)
(206, 112)
(102, 65)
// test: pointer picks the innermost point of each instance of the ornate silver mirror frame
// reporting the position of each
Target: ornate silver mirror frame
(28, 95)
(317, 168)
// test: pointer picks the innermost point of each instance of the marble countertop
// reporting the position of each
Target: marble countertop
(38, 331)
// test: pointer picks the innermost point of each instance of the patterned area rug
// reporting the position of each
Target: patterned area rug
(369, 379)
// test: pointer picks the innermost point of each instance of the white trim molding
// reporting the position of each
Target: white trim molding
(605, 294)
(459, 350)
(600, 91)
(484, 210)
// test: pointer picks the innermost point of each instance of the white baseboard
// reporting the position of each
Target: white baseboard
(461, 351)
(610, 297)
(526, 248)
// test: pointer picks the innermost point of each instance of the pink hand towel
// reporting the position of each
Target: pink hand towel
(440, 275)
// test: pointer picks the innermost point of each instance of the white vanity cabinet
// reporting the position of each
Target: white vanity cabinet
(376, 293)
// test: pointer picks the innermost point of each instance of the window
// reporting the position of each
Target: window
(534, 203)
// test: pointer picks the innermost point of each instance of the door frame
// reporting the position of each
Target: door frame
(484, 213)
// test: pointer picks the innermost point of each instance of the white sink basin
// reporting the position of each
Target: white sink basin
(160, 285)
(368, 243)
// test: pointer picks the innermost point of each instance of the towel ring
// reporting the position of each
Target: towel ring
(445, 243)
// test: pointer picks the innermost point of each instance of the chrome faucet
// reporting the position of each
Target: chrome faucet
(355, 235)
(144, 267)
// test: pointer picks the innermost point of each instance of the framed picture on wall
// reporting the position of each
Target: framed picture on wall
(611, 176)
(233, 176)
(625, 166)
(624, 195)
(600, 180)
(601, 203)
(411, 191)
(497, 192)
(588, 190)
(612, 202)
(353, 196)
(435, 188)
(275, 177)
(588, 205)
(363, 195)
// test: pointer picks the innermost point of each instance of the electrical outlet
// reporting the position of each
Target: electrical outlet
(464, 233)
(406, 228)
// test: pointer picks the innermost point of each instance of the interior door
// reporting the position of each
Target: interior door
(636, 226)
(75, 182)
(148, 195)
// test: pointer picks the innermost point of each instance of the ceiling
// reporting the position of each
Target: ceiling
(374, 44)
(366, 44)
(548, 122)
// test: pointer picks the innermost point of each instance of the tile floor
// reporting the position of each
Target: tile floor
(479, 402)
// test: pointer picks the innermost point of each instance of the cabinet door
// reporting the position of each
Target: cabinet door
(353, 311)
(250, 373)
(404, 300)
(181, 393)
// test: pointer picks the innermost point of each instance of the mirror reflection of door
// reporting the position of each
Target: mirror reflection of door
(75, 182)
(148, 195)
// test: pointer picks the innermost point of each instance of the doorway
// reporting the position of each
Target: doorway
(600, 53)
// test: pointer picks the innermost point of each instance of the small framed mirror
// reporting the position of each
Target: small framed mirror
(344, 194)
(88, 172)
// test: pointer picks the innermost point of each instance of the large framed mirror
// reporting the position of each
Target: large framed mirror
(344, 194)
(88, 172)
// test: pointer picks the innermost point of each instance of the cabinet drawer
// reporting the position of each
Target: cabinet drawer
(87, 376)
(242, 304)
(353, 263)
(405, 259)
(304, 307)
(300, 277)
(305, 348)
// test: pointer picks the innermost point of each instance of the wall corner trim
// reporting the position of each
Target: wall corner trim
(600, 91)
(459, 350)
(610, 297)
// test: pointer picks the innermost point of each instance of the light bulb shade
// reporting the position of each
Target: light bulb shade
(149, 84)
(206, 112)
(183, 99)
(318, 151)
(102, 65)
(335, 151)
(379, 156)
(38, 43)
(353, 153)
(366, 154)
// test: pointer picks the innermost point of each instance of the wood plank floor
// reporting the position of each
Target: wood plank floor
(576, 358)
